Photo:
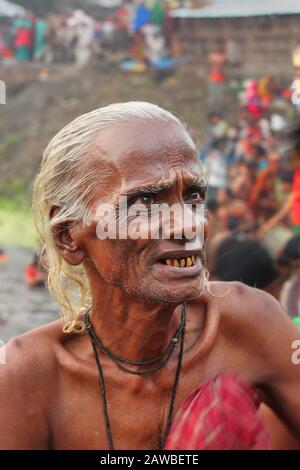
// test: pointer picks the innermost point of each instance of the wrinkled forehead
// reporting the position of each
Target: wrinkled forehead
(147, 149)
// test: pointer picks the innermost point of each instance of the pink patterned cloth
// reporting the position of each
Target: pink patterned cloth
(219, 415)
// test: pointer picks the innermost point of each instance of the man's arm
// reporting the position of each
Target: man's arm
(270, 339)
(23, 383)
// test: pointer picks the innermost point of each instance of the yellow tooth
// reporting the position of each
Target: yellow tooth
(182, 263)
(176, 263)
(189, 262)
(168, 262)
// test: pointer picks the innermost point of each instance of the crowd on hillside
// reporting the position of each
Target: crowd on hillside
(253, 170)
(141, 30)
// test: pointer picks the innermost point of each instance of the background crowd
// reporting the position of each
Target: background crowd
(140, 31)
(252, 164)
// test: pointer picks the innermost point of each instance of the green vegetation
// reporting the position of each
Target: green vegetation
(8, 146)
(16, 226)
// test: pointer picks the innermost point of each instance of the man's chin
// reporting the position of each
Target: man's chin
(183, 297)
(173, 295)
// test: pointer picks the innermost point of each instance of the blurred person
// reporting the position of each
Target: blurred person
(216, 170)
(168, 28)
(83, 43)
(155, 45)
(23, 37)
(142, 15)
(218, 127)
(261, 197)
(216, 82)
(240, 187)
(123, 30)
(245, 150)
(60, 38)
(266, 88)
(244, 259)
(35, 274)
(291, 208)
(230, 217)
(234, 214)
(3, 256)
(254, 103)
(290, 294)
(157, 13)
(40, 39)
(283, 186)
(108, 29)
(82, 27)
(137, 51)
(124, 17)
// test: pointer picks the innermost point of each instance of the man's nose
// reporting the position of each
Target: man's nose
(188, 224)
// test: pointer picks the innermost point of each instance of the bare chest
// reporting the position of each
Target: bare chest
(137, 409)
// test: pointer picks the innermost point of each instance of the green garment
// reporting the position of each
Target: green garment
(40, 42)
(157, 14)
(22, 53)
(21, 23)
(296, 229)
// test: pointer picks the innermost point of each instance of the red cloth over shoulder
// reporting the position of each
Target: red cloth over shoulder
(219, 415)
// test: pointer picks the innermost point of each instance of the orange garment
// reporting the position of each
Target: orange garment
(216, 76)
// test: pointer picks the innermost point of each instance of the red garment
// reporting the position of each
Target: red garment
(24, 37)
(31, 273)
(217, 76)
(295, 209)
(219, 415)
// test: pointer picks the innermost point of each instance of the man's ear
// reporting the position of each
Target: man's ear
(68, 240)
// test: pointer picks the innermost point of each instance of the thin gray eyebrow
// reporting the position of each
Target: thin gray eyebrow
(200, 181)
(150, 189)
(164, 186)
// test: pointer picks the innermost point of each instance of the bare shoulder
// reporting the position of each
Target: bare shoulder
(249, 321)
(253, 324)
(240, 304)
(247, 305)
(27, 380)
(32, 351)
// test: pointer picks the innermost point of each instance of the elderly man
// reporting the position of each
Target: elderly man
(142, 329)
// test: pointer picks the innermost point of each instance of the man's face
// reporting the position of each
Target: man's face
(151, 163)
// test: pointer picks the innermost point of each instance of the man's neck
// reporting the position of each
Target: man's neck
(134, 329)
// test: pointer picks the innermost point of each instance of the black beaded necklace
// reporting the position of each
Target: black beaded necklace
(97, 343)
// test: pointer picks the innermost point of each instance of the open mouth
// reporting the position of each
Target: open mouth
(178, 266)
(186, 262)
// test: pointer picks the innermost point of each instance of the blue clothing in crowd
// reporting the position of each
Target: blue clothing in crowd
(142, 17)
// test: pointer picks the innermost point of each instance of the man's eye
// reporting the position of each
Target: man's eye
(194, 196)
(145, 200)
